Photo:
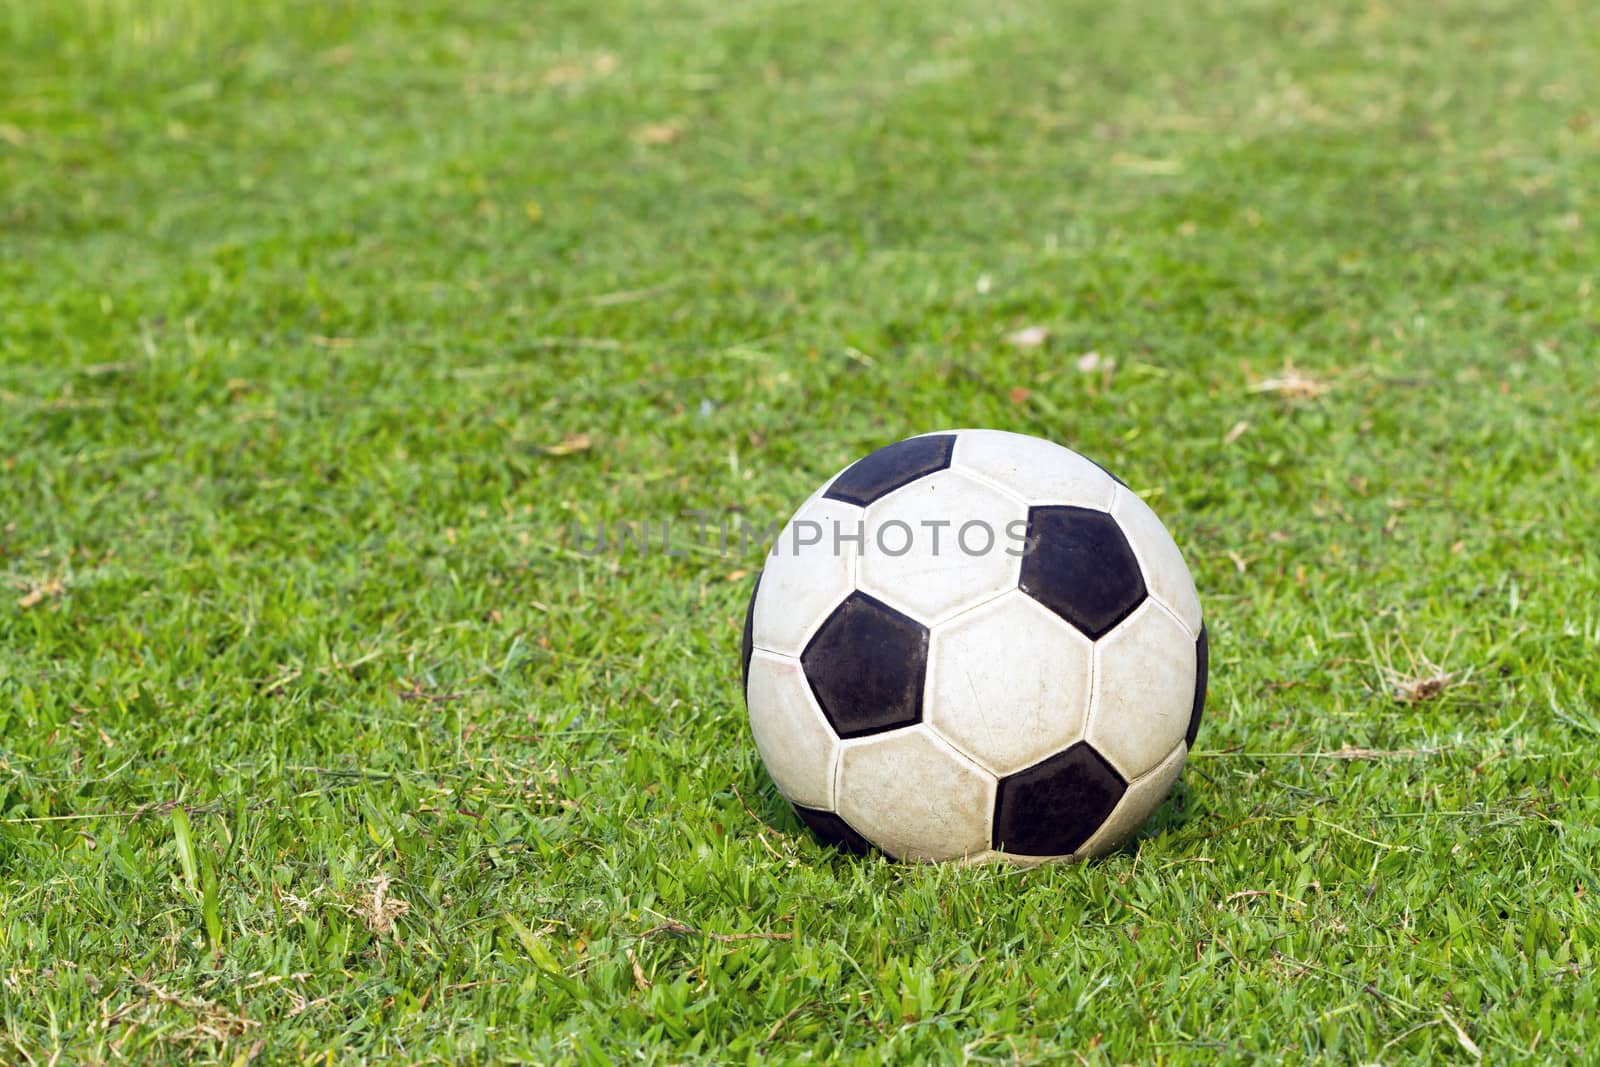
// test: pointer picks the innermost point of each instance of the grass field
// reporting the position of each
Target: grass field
(322, 323)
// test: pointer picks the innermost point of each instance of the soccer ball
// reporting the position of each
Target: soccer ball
(974, 645)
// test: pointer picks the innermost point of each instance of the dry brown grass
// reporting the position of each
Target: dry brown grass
(1292, 383)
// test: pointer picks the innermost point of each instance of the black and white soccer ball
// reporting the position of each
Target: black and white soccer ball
(974, 645)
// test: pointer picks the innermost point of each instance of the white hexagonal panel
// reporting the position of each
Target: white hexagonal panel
(810, 569)
(1144, 674)
(795, 741)
(914, 796)
(1008, 683)
(941, 544)
(1036, 470)
(1165, 574)
(1141, 800)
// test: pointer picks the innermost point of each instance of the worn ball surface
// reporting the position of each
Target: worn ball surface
(974, 645)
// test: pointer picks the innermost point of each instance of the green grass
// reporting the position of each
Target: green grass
(318, 739)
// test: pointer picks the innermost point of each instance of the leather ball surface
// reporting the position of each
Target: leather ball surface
(973, 645)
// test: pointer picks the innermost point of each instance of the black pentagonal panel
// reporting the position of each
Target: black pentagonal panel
(890, 467)
(866, 666)
(1080, 566)
(830, 829)
(1202, 667)
(749, 642)
(1053, 807)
